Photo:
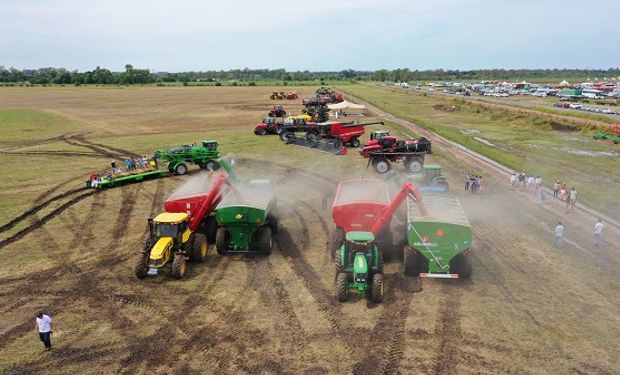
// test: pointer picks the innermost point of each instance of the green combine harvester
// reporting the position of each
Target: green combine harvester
(204, 155)
(439, 238)
(246, 219)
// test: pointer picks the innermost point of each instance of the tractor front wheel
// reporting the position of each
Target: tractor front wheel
(414, 165)
(339, 267)
(272, 221)
(181, 169)
(141, 269)
(342, 287)
(199, 248)
(221, 241)
(354, 142)
(381, 165)
(265, 241)
(335, 240)
(211, 165)
(178, 266)
(262, 131)
(376, 293)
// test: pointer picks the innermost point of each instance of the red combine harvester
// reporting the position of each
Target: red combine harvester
(364, 205)
(382, 148)
(334, 134)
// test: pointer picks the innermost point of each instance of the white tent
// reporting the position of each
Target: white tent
(345, 105)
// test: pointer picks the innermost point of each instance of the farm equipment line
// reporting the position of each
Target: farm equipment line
(462, 149)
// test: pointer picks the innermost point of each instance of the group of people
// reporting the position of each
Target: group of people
(473, 183)
(569, 196)
(136, 164)
(522, 181)
(558, 234)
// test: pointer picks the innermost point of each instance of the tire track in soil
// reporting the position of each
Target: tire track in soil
(385, 351)
(54, 153)
(448, 330)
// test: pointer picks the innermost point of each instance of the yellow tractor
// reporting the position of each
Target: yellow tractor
(170, 243)
(277, 95)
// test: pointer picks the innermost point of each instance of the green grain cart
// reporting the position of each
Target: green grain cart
(439, 238)
(246, 219)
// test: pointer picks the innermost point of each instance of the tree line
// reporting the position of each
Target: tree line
(132, 75)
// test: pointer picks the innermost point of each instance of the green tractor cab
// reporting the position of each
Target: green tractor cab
(430, 177)
(359, 266)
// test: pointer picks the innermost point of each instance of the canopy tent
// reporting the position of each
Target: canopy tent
(345, 105)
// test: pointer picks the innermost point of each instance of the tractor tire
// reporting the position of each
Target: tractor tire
(199, 247)
(342, 287)
(354, 142)
(285, 135)
(180, 169)
(170, 167)
(339, 267)
(414, 165)
(262, 132)
(221, 241)
(272, 222)
(376, 292)
(463, 266)
(141, 269)
(382, 165)
(335, 240)
(380, 263)
(278, 130)
(410, 262)
(210, 229)
(212, 165)
(178, 266)
(265, 242)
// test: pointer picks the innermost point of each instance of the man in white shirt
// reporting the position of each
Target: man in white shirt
(572, 199)
(44, 329)
(558, 233)
(598, 231)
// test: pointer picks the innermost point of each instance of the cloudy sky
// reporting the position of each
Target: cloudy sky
(315, 35)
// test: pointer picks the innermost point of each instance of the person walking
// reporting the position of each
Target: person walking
(558, 235)
(556, 189)
(598, 231)
(513, 180)
(572, 199)
(467, 178)
(44, 328)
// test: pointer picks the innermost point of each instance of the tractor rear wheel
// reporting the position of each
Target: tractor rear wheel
(339, 267)
(265, 241)
(410, 262)
(335, 240)
(180, 169)
(210, 229)
(272, 221)
(262, 131)
(376, 292)
(381, 165)
(414, 165)
(198, 248)
(221, 241)
(354, 142)
(178, 266)
(141, 269)
(342, 287)
(212, 165)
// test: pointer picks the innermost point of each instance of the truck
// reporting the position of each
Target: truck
(362, 211)
(186, 227)
(383, 149)
(246, 219)
(204, 155)
(439, 238)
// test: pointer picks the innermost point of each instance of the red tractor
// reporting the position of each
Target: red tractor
(292, 95)
(270, 125)
(382, 148)
(277, 111)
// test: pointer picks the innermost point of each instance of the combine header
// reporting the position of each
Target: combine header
(439, 238)
(362, 212)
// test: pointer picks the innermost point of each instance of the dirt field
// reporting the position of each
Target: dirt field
(529, 308)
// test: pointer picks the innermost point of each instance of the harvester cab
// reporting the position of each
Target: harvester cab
(359, 267)
(378, 134)
(210, 145)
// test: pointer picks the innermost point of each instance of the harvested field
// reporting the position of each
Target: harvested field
(529, 308)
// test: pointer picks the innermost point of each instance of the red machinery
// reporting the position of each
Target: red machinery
(338, 133)
(292, 95)
(269, 126)
(383, 148)
(365, 205)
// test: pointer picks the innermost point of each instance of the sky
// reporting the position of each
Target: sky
(316, 35)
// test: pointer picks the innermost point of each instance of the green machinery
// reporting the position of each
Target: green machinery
(359, 266)
(613, 133)
(439, 238)
(204, 155)
(430, 179)
(116, 180)
(246, 219)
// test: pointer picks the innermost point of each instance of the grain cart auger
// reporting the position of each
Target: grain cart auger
(363, 211)
(246, 219)
(185, 229)
(439, 239)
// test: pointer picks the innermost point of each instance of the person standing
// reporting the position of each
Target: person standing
(598, 231)
(44, 328)
(572, 199)
(556, 189)
(467, 181)
(558, 235)
(513, 180)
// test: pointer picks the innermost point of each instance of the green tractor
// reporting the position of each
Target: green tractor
(359, 266)
(246, 219)
(430, 178)
(204, 155)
